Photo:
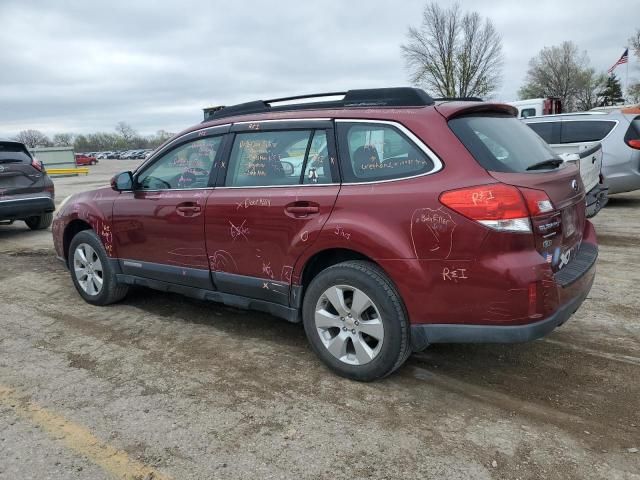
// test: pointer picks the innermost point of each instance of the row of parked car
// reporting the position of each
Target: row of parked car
(121, 154)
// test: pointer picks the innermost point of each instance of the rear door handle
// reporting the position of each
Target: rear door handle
(302, 209)
(188, 209)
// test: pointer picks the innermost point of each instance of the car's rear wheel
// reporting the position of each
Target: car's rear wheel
(39, 222)
(355, 321)
(91, 271)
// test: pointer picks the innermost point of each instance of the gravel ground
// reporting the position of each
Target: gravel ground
(162, 386)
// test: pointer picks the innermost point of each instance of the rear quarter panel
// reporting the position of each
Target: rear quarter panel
(424, 248)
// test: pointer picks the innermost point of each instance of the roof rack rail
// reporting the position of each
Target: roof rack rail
(370, 97)
(458, 99)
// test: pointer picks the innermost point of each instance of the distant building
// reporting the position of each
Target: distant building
(55, 156)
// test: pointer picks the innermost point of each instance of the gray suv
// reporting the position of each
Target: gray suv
(617, 130)
(26, 192)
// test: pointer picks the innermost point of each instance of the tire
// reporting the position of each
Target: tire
(366, 283)
(86, 274)
(40, 222)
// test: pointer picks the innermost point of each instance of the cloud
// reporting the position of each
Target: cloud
(83, 66)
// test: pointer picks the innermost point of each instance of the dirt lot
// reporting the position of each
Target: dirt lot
(162, 386)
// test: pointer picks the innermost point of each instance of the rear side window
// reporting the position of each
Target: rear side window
(501, 143)
(545, 130)
(374, 152)
(584, 131)
(282, 157)
(528, 112)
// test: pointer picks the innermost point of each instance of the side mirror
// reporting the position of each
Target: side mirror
(122, 182)
(288, 168)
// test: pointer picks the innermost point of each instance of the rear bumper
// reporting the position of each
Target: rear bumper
(622, 177)
(574, 283)
(596, 199)
(20, 208)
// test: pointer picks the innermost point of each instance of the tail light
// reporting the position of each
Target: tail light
(635, 144)
(498, 206)
(37, 164)
(537, 201)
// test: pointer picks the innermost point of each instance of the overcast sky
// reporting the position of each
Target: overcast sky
(82, 66)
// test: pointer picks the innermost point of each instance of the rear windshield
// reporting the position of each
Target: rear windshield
(501, 143)
(13, 152)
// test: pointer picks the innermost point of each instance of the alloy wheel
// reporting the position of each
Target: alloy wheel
(349, 324)
(87, 268)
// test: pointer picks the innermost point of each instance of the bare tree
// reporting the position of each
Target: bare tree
(126, 131)
(633, 92)
(635, 43)
(556, 72)
(62, 140)
(33, 138)
(453, 53)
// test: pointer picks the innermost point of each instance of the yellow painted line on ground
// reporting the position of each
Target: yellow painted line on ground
(79, 439)
(68, 171)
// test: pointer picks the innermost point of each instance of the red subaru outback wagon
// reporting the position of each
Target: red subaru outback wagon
(382, 219)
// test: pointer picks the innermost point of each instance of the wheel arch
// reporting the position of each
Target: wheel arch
(72, 229)
(326, 258)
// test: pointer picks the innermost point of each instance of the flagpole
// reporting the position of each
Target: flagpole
(626, 79)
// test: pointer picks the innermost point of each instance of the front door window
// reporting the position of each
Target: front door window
(186, 167)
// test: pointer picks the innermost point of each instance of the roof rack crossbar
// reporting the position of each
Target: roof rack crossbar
(373, 97)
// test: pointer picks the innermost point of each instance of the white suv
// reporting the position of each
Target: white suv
(617, 130)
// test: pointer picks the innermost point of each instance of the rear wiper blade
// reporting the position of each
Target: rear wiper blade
(552, 162)
(10, 160)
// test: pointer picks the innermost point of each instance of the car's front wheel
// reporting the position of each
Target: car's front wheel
(356, 322)
(91, 271)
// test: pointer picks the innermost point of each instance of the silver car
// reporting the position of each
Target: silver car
(617, 130)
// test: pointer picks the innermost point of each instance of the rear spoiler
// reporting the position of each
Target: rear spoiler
(15, 144)
(574, 157)
(590, 151)
(458, 109)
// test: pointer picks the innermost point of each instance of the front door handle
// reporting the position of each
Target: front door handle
(301, 209)
(188, 209)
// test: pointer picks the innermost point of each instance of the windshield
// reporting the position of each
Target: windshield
(502, 143)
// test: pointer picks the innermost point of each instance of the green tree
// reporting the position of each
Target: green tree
(589, 92)
(453, 53)
(612, 92)
(81, 144)
(633, 92)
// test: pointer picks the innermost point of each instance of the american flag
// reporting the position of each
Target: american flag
(623, 59)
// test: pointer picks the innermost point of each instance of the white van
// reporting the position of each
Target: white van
(535, 107)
